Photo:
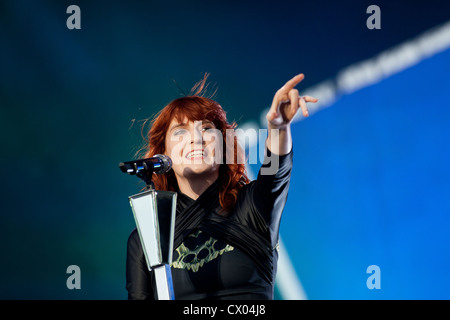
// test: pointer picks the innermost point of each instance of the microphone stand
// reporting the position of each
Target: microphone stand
(154, 213)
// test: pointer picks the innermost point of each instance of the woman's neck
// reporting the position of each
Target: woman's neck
(193, 188)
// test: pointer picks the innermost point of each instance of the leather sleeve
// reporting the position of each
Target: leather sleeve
(139, 279)
(270, 190)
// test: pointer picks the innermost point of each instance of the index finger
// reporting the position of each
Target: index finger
(292, 83)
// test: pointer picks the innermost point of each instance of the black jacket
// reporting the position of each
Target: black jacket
(217, 257)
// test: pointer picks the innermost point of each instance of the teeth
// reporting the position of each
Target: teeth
(195, 154)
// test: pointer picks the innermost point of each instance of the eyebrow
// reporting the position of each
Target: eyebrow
(178, 125)
(183, 124)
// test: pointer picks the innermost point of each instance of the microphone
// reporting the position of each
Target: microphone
(158, 164)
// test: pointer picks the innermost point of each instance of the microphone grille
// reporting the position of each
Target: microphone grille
(167, 163)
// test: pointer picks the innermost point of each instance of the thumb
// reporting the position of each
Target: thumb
(271, 115)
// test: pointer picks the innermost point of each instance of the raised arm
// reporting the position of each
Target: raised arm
(285, 105)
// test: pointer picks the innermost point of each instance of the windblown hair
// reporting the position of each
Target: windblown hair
(196, 107)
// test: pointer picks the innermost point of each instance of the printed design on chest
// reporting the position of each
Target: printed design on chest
(198, 249)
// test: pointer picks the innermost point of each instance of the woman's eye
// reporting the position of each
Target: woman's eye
(179, 132)
(206, 128)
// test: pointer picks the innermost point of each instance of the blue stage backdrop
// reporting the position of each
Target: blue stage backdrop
(370, 187)
(371, 175)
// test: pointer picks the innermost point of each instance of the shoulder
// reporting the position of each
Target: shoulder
(245, 204)
(134, 242)
(246, 191)
(133, 235)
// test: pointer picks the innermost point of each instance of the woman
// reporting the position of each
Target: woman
(226, 229)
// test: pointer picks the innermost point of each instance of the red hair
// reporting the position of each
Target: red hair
(232, 176)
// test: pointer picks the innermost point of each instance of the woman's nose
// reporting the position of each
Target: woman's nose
(197, 136)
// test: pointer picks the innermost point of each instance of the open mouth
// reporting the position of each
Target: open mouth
(196, 154)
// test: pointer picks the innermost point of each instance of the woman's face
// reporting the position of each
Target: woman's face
(195, 148)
